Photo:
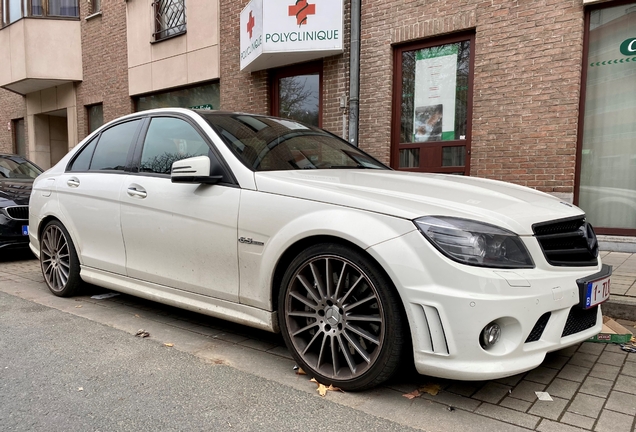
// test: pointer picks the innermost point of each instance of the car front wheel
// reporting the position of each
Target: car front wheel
(58, 259)
(340, 317)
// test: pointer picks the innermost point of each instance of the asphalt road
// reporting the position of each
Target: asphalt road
(62, 372)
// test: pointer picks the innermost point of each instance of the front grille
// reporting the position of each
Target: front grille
(538, 328)
(567, 242)
(18, 212)
(580, 320)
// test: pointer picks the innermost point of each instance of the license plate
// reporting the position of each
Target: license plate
(25, 230)
(597, 292)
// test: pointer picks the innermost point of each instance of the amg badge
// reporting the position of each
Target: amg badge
(250, 241)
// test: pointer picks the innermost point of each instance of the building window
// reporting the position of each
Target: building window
(296, 93)
(13, 10)
(433, 85)
(95, 115)
(200, 97)
(95, 6)
(170, 18)
(606, 187)
(19, 138)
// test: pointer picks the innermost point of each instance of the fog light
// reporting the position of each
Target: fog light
(490, 335)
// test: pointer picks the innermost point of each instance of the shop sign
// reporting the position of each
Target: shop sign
(628, 47)
(203, 107)
(279, 32)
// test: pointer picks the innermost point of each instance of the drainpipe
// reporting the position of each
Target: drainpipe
(354, 72)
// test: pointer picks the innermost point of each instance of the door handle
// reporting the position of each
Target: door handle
(134, 192)
(73, 182)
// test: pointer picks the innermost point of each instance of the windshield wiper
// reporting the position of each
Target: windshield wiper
(349, 166)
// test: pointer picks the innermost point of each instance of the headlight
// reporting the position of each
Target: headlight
(475, 243)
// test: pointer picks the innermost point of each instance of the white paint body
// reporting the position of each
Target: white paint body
(180, 246)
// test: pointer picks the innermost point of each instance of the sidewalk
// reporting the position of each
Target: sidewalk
(622, 303)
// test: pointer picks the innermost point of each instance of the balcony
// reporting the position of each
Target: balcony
(37, 53)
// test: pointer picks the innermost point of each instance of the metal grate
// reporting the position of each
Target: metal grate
(580, 320)
(170, 18)
(538, 328)
(18, 212)
(568, 242)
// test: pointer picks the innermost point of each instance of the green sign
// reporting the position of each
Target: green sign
(628, 47)
(203, 107)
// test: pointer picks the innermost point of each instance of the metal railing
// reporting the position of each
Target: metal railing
(170, 18)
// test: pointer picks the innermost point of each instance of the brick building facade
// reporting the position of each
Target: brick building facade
(523, 120)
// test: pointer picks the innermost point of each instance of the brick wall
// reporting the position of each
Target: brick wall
(12, 106)
(104, 62)
(526, 81)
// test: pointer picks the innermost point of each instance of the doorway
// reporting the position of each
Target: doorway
(296, 93)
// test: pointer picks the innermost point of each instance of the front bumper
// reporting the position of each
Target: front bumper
(448, 304)
(11, 233)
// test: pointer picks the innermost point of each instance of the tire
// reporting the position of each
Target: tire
(58, 260)
(345, 330)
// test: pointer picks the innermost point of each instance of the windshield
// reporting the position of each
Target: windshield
(17, 168)
(269, 144)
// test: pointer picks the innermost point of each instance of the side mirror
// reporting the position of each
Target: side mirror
(193, 170)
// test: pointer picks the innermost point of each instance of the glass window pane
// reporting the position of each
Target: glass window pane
(95, 117)
(19, 137)
(36, 8)
(607, 190)
(169, 140)
(67, 8)
(410, 158)
(112, 149)
(454, 156)
(435, 93)
(83, 159)
(299, 98)
(202, 97)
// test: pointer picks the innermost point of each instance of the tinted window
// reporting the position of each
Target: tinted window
(83, 159)
(169, 140)
(112, 149)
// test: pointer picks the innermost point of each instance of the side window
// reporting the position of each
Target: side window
(168, 140)
(83, 159)
(113, 146)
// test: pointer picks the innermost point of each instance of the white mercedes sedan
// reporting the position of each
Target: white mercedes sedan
(285, 227)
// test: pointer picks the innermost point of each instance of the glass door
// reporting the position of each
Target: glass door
(297, 93)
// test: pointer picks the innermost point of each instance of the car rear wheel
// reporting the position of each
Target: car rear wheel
(340, 317)
(58, 259)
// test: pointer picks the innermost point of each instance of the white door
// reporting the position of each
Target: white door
(179, 235)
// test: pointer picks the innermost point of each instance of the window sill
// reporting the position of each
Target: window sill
(92, 16)
(169, 37)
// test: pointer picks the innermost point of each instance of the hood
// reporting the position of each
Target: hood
(412, 195)
(15, 192)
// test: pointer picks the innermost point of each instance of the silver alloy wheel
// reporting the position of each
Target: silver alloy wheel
(55, 258)
(334, 317)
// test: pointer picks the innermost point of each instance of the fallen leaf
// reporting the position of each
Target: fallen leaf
(431, 389)
(142, 333)
(322, 389)
(300, 371)
(80, 389)
(168, 344)
(78, 306)
(412, 395)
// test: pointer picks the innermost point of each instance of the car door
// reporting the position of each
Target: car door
(179, 235)
(88, 195)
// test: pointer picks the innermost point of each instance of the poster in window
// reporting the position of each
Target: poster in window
(435, 88)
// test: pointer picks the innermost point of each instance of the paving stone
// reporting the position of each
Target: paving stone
(625, 385)
(569, 351)
(611, 421)
(281, 351)
(492, 392)
(549, 409)
(596, 387)
(525, 390)
(629, 369)
(578, 420)
(230, 337)
(258, 344)
(612, 359)
(508, 415)
(541, 375)
(511, 380)
(631, 358)
(573, 373)
(464, 388)
(583, 360)
(605, 371)
(563, 388)
(555, 361)
(454, 400)
(591, 348)
(622, 402)
(516, 404)
(550, 426)
(614, 348)
(589, 406)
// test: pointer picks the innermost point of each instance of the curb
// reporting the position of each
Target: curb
(620, 307)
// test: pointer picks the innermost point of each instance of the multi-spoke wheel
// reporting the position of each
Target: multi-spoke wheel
(340, 318)
(58, 259)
